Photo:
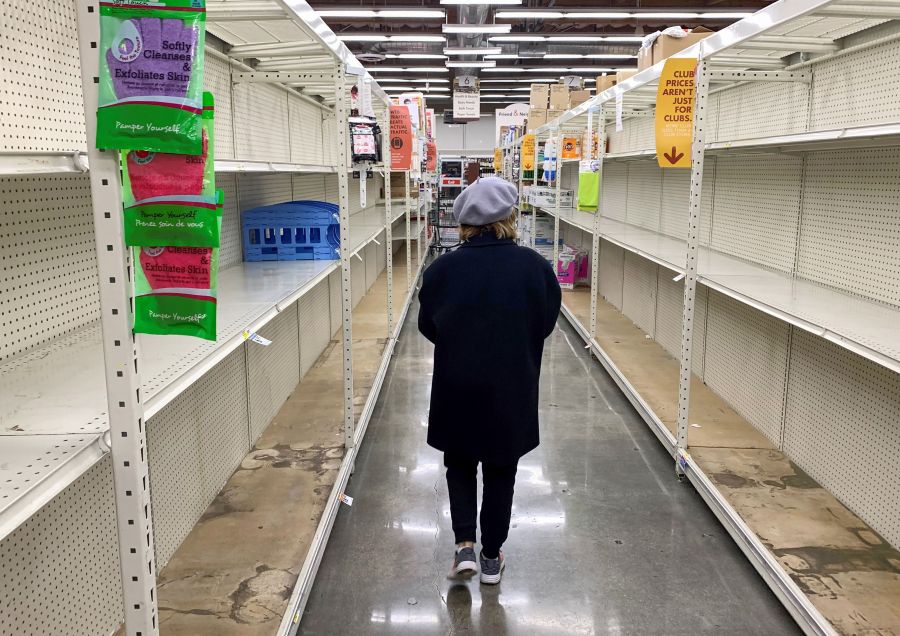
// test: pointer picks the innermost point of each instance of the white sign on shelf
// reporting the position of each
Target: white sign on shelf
(619, 112)
(363, 177)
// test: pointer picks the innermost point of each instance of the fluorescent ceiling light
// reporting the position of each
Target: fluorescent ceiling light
(481, 1)
(436, 88)
(577, 38)
(346, 13)
(504, 56)
(623, 38)
(405, 69)
(562, 56)
(398, 88)
(427, 97)
(476, 28)
(667, 15)
(725, 15)
(504, 69)
(609, 56)
(475, 64)
(598, 14)
(473, 50)
(417, 56)
(545, 15)
(410, 79)
(521, 81)
(499, 96)
(518, 38)
(417, 38)
(411, 13)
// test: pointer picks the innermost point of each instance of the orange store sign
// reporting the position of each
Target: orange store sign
(675, 113)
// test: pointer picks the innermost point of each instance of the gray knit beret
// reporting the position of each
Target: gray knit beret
(488, 200)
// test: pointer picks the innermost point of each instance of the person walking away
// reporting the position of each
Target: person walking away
(487, 307)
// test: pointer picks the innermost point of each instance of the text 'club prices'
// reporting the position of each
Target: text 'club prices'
(675, 113)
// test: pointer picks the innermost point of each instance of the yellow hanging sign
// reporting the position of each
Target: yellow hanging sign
(498, 159)
(675, 113)
(528, 152)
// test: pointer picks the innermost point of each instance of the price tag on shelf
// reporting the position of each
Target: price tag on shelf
(347, 499)
(255, 337)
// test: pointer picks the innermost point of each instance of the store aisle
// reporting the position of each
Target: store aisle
(605, 540)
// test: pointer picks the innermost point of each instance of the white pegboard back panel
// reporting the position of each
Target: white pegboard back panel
(614, 190)
(644, 193)
(273, 371)
(611, 274)
(230, 245)
(746, 362)
(850, 232)
(843, 428)
(760, 109)
(669, 305)
(61, 567)
(676, 195)
(217, 80)
(305, 131)
(857, 89)
(255, 190)
(48, 263)
(638, 133)
(639, 292)
(260, 122)
(309, 186)
(756, 209)
(41, 103)
(314, 324)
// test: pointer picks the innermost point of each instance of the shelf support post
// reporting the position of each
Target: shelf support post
(701, 90)
(388, 215)
(341, 116)
(556, 203)
(595, 236)
(534, 182)
(408, 232)
(131, 478)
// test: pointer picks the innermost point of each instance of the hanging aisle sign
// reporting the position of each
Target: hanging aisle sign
(466, 98)
(675, 113)
(401, 138)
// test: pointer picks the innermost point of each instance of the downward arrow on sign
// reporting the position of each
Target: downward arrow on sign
(673, 158)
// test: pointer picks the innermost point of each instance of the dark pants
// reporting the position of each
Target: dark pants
(496, 504)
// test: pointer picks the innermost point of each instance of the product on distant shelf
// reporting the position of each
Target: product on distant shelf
(549, 175)
(170, 199)
(588, 185)
(571, 148)
(365, 136)
(151, 76)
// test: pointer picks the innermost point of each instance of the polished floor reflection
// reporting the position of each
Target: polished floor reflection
(604, 539)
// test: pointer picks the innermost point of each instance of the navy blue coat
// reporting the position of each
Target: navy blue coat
(487, 307)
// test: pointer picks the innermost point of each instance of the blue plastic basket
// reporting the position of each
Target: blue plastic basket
(291, 231)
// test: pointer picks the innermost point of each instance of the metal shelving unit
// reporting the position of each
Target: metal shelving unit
(785, 215)
(62, 412)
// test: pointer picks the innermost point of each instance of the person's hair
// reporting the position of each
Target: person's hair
(505, 229)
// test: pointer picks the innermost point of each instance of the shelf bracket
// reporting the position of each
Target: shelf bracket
(760, 76)
(281, 77)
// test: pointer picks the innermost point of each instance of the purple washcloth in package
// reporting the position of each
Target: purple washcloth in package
(152, 57)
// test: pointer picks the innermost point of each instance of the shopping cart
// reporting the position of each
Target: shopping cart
(443, 231)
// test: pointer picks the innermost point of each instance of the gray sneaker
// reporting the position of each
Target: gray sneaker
(464, 564)
(492, 569)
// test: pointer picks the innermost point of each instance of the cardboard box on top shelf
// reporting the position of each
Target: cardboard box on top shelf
(537, 117)
(604, 82)
(553, 113)
(666, 46)
(540, 95)
(559, 97)
(578, 97)
(645, 58)
(621, 76)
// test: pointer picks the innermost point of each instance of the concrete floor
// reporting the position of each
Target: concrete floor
(604, 539)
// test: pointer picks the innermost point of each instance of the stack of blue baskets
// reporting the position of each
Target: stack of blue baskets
(291, 231)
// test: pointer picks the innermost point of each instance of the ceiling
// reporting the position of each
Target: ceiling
(545, 40)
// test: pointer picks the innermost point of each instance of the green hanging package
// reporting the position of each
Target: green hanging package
(588, 185)
(151, 76)
(175, 289)
(170, 199)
